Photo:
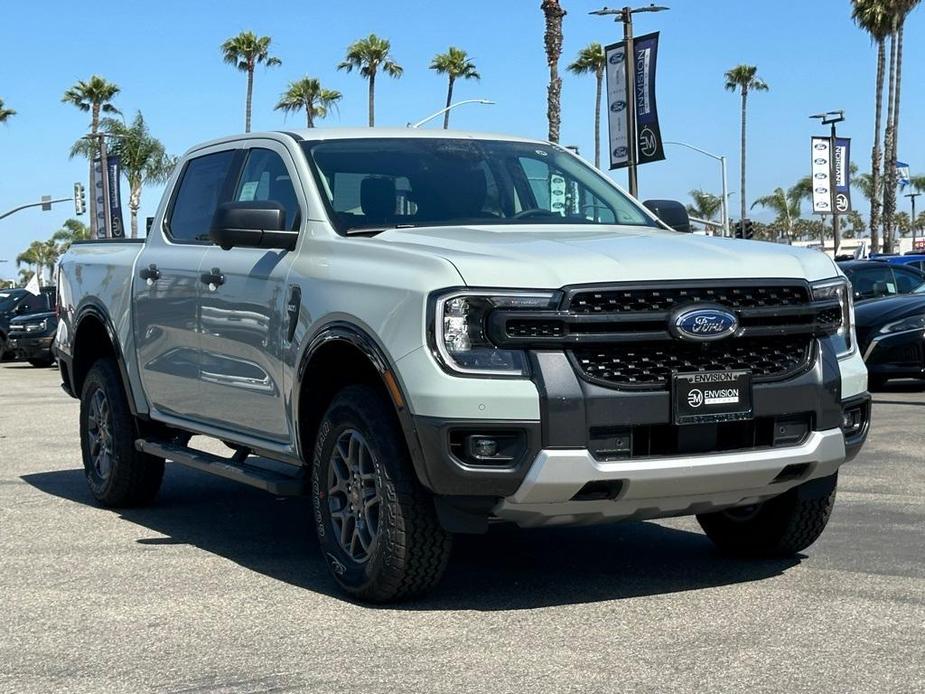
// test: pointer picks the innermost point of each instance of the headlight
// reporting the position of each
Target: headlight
(904, 325)
(458, 330)
(41, 326)
(839, 289)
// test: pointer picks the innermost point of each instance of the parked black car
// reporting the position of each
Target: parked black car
(31, 337)
(891, 336)
(19, 302)
(872, 279)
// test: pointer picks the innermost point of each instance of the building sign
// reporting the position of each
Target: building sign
(649, 137)
(116, 225)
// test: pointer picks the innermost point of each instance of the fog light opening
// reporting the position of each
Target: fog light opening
(852, 421)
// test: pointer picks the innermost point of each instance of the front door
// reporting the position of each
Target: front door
(243, 299)
(167, 284)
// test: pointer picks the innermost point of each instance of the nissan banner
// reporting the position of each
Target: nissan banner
(96, 190)
(649, 138)
(822, 173)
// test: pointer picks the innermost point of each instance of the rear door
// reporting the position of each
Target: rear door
(244, 316)
(166, 286)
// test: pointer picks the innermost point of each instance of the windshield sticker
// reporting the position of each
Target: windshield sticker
(248, 190)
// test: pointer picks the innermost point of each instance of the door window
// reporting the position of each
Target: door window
(906, 281)
(265, 177)
(872, 282)
(197, 197)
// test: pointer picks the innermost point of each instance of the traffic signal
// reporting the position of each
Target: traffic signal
(80, 199)
(744, 229)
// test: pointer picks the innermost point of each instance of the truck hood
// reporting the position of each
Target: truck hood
(551, 256)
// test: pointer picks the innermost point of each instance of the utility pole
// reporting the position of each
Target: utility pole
(625, 15)
(912, 197)
(722, 161)
(831, 118)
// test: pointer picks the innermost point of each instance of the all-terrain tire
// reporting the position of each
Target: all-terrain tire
(411, 549)
(780, 527)
(122, 476)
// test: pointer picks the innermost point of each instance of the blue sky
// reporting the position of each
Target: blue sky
(165, 56)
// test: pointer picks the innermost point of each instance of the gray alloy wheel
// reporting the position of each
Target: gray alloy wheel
(354, 497)
(99, 433)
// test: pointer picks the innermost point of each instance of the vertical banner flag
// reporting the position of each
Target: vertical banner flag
(842, 175)
(821, 175)
(113, 163)
(903, 175)
(649, 137)
(96, 190)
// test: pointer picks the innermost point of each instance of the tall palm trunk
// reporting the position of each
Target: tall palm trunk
(744, 206)
(309, 118)
(372, 99)
(889, 173)
(599, 74)
(250, 95)
(449, 100)
(94, 128)
(894, 153)
(553, 40)
(134, 202)
(875, 159)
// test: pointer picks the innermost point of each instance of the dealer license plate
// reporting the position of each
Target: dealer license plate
(711, 396)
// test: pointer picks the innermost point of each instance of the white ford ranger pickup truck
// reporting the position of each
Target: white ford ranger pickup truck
(431, 331)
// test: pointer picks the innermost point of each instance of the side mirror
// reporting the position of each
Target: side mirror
(671, 212)
(252, 224)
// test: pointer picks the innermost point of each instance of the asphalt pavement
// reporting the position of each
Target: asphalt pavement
(220, 588)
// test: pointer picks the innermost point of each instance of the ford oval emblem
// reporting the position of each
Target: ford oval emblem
(705, 324)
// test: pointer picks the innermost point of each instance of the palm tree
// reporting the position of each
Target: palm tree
(72, 230)
(455, 64)
(368, 55)
(553, 13)
(705, 206)
(41, 255)
(898, 10)
(872, 17)
(25, 276)
(142, 157)
(246, 51)
(593, 59)
(94, 95)
(745, 79)
(308, 93)
(5, 113)
(786, 204)
(917, 183)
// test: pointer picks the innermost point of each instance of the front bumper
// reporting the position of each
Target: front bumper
(32, 347)
(664, 487)
(897, 355)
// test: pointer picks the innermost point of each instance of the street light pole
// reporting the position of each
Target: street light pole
(722, 160)
(449, 108)
(912, 197)
(625, 15)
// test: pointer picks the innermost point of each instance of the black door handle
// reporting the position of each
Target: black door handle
(215, 277)
(150, 273)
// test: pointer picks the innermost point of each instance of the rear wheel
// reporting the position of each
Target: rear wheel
(876, 382)
(377, 526)
(118, 474)
(780, 527)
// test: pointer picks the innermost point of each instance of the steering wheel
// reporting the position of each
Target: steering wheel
(535, 212)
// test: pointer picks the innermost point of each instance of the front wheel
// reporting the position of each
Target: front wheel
(779, 527)
(376, 525)
(117, 473)
(42, 363)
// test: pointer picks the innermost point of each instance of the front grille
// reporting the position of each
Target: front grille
(912, 353)
(668, 298)
(535, 328)
(650, 364)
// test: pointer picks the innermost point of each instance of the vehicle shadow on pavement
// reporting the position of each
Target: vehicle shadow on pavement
(508, 569)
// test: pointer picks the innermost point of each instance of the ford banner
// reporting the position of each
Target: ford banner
(822, 175)
(117, 228)
(648, 135)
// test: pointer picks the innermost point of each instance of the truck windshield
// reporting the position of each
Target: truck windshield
(371, 184)
(8, 301)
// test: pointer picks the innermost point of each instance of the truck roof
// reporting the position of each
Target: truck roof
(363, 133)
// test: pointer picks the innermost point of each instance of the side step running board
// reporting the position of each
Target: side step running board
(277, 483)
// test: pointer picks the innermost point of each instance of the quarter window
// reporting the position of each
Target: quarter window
(198, 196)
